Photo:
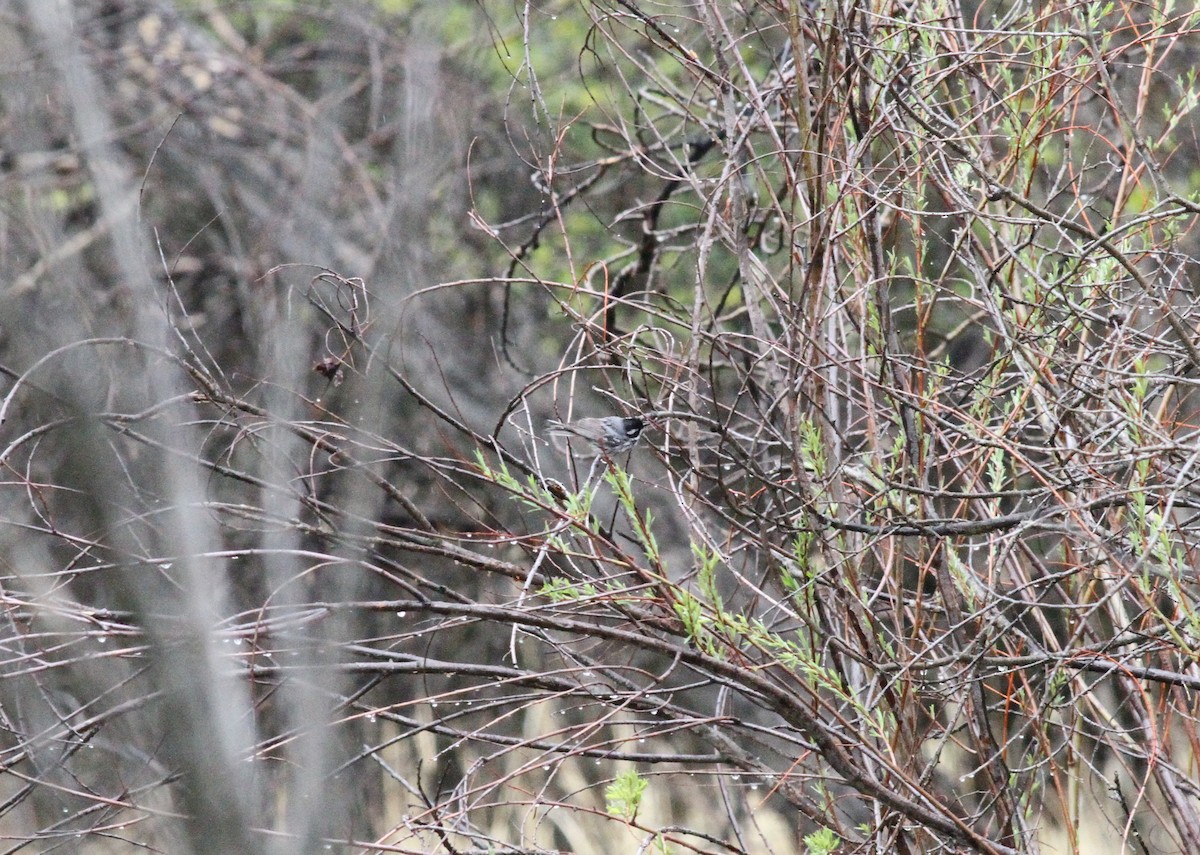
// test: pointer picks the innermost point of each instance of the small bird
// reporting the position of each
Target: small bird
(607, 436)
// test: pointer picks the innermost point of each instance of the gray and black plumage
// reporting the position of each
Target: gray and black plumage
(607, 436)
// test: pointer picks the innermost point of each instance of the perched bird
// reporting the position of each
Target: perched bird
(607, 436)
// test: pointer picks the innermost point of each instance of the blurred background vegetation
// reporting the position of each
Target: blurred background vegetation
(905, 561)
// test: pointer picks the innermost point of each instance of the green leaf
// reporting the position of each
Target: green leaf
(623, 796)
(822, 842)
